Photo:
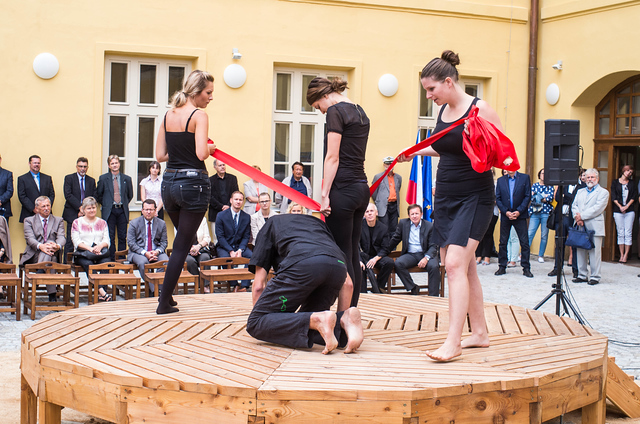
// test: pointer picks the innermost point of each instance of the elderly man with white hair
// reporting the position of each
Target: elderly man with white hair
(588, 208)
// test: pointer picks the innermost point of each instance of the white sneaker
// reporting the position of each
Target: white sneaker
(540, 259)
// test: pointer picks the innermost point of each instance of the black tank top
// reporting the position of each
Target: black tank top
(182, 148)
(455, 174)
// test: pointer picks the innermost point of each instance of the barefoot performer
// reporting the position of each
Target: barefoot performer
(310, 275)
(463, 204)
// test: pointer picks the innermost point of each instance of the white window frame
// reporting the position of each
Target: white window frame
(295, 117)
(133, 110)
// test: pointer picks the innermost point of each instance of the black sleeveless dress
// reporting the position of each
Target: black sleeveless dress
(464, 199)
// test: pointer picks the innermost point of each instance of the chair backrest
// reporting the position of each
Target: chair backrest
(111, 268)
(223, 262)
(160, 266)
(121, 255)
(7, 268)
(48, 267)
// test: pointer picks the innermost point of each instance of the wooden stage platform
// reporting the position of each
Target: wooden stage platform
(121, 362)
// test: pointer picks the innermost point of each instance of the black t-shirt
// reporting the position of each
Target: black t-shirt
(285, 240)
(352, 123)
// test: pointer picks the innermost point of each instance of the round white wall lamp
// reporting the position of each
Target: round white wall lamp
(388, 85)
(46, 65)
(235, 76)
(553, 94)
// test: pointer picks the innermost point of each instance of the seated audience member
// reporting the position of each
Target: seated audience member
(233, 229)
(296, 181)
(147, 238)
(199, 252)
(5, 246)
(252, 191)
(294, 308)
(90, 237)
(374, 245)
(44, 234)
(259, 218)
(296, 208)
(417, 249)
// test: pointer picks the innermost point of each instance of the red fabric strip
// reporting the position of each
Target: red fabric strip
(267, 180)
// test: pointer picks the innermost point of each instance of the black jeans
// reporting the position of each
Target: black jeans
(522, 230)
(117, 220)
(390, 219)
(409, 260)
(384, 267)
(345, 223)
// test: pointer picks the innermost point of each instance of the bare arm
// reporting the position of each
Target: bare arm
(259, 283)
(162, 155)
(344, 297)
(485, 111)
(331, 162)
(203, 149)
(427, 151)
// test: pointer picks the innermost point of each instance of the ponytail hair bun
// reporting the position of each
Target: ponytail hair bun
(443, 67)
(319, 87)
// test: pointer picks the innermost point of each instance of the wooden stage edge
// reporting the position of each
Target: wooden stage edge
(120, 362)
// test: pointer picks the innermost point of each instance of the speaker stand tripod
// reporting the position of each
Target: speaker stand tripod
(563, 303)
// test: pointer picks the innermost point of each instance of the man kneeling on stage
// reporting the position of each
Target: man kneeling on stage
(310, 275)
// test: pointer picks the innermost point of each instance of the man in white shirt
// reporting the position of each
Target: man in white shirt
(259, 218)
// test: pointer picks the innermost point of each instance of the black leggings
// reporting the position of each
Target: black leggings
(345, 223)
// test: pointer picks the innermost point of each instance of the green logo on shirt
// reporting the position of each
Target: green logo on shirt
(284, 306)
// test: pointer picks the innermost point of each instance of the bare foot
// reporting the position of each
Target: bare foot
(475, 341)
(351, 322)
(444, 353)
(324, 323)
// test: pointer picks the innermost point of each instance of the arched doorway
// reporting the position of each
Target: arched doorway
(617, 143)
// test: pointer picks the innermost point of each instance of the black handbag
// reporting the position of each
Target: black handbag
(580, 237)
(87, 254)
(551, 222)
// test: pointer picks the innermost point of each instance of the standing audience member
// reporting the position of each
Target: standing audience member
(588, 212)
(5, 246)
(487, 247)
(32, 185)
(624, 195)
(541, 199)
(186, 189)
(147, 238)
(150, 187)
(222, 185)
(199, 252)
(345, 192)
(386, 196)
(374, 248)
(296, 181)
(418, 249)
(90, 238)
(44, 234)
(513, 193)
(77, 187)
(259, 218)
(6, 192)
(114, 193)
(252, 190)
(233, 228)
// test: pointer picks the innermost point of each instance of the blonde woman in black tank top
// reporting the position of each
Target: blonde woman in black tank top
(471, 210)
(182, 142)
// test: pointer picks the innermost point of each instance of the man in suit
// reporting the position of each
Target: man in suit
(418, 249)
(588, 208)
(233, 228)
(387, 196)
(147, 238)
(513, 194)
(222, 185)
(114, 193)
(259, 218)
(76, 187)
(6, 192)
(296, 181)
(44, 234)
(32, 185)
(374, 247)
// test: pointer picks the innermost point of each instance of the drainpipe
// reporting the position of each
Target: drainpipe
(534, 18)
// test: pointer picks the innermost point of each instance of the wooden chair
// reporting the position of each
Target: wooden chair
(154, 274)
(111, 275)
(391, 283)
(45, 273)
(121, 256)
(227, 271)
(77, 269)
(10, 280)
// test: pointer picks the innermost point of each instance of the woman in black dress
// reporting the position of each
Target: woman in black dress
(345, 192)
(463, 204)
(182, 142)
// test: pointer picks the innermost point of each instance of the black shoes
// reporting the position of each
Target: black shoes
(501, 271)
(527, 273)
(575, 273)
(579, 280)
(415, 290)
(553, 273)
(52, 297)
(593, 282)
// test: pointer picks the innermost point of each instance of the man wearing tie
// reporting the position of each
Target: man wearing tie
(233, 229)
(32, 185)
(76, 187)
(114, 193)
(44, 234)
(147, 238)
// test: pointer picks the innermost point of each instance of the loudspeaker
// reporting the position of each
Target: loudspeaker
(561, 145)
